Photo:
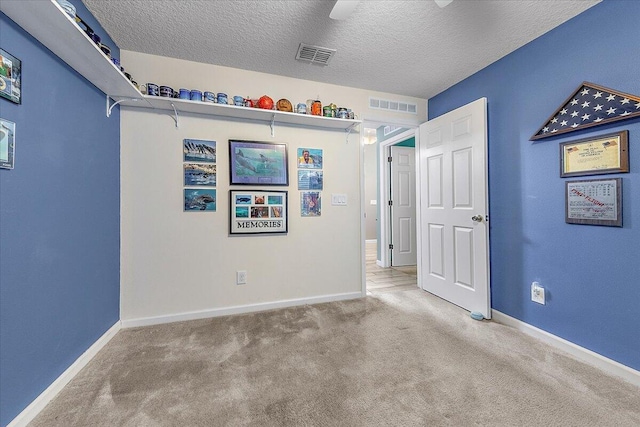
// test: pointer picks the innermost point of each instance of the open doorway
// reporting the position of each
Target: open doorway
(379, 226)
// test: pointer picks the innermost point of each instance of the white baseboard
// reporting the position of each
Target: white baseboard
(31, 411)
(240, 309)
(379, 263)
(585, 355)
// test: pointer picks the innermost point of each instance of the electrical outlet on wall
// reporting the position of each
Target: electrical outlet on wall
(241, 277)
(537, 293)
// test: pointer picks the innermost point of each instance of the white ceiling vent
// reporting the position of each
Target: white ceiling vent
(397, 106)
(314, 54)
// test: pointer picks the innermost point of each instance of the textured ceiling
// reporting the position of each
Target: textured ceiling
(411, 48)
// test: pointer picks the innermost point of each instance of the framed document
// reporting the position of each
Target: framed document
(257, 212)
(594, 202)
(595, 156)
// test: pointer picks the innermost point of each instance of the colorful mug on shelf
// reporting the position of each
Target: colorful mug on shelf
(222, 98)
(166, 91)
(238, 100)
(153, 89)
(184, 94)
(209, 97)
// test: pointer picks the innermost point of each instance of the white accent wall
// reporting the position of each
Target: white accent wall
(177, 264)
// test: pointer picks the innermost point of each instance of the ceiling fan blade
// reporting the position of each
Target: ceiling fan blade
(342, 9)
(443, 3)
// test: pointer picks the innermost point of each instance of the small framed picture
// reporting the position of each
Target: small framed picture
(258, 212)
(10, 77)
(258, 163)
(309, 179)
(199, 174)
(310, 203)
(197, 150)
(309, 158)
(199, 200)
(7, 143)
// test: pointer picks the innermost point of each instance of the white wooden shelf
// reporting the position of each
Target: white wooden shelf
(48, 22)
(246, 113)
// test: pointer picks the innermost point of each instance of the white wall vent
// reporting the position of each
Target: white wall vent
(397, 106)
(314, 54)
(389, 129)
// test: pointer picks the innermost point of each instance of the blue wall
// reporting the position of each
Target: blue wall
(59, 223)
(590, 273)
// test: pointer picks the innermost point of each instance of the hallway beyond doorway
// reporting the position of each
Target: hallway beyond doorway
(387, 279)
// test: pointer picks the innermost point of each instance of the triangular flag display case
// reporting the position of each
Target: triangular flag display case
(590, 105)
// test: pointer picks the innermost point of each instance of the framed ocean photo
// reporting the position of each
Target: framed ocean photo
(200, 174)
(258, 163)
(197, 150)
(199, 200)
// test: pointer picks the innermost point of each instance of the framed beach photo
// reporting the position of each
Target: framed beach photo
(197, 150)
(309, 158)
(258, 163)
(10, 77)
(258, 212)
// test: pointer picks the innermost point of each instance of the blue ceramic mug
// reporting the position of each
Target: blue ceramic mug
(196, 95)
(222, 98)
(301, 108)
(184, 94)
(238, 100)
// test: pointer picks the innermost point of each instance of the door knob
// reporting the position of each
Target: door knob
(477, 218)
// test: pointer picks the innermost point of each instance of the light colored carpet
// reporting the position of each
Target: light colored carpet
(401, 358)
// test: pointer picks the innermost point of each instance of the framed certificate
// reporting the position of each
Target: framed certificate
(594, 202)
(594, 156)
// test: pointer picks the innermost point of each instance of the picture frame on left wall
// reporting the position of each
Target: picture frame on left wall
(10, 77)
(7, 143)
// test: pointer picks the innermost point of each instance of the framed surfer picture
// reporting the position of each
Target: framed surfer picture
(258, 163)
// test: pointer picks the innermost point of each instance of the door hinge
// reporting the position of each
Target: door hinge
(390, 202)
(389, 159)
(390, 246)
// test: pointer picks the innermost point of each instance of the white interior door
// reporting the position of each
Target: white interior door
(454, 209)
(403, 206)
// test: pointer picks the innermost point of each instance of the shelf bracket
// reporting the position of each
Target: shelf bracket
(175, 115)
(110, 105)
(349, 129)
(272, 126)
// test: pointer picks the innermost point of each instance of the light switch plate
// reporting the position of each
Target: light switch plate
(339, 199)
